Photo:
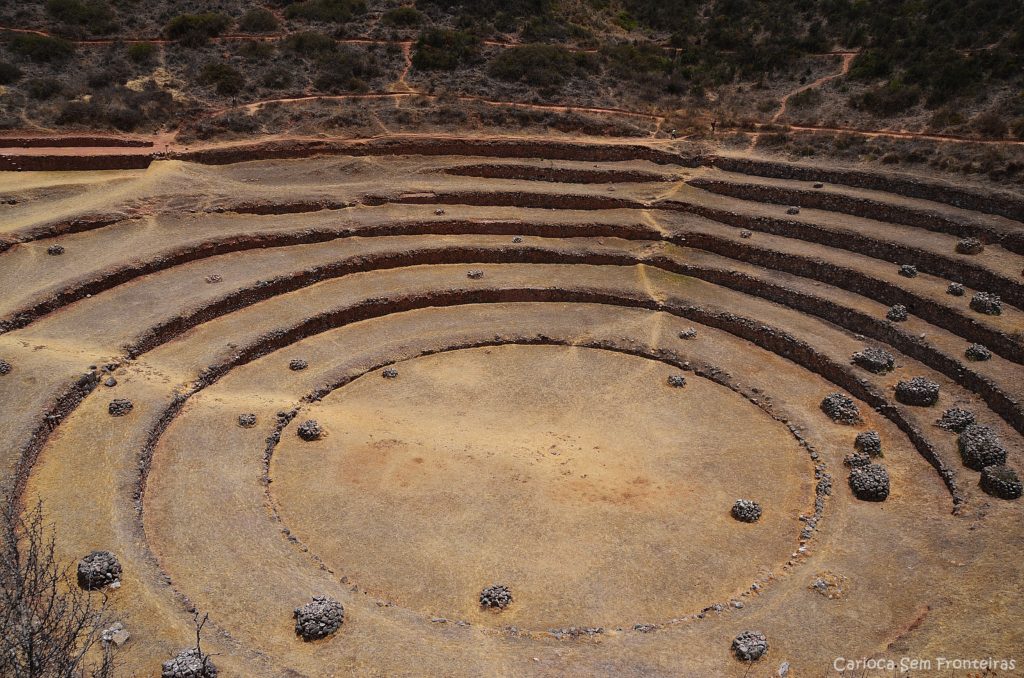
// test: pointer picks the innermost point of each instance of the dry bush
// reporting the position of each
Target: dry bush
(49, 627)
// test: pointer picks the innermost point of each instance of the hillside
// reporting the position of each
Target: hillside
(625, 67)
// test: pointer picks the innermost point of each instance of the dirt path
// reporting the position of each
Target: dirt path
(167, 143)
(847, 59)
(902, 134)
(257, 105)
(402, 85)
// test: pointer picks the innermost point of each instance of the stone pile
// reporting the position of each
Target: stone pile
(319, 618)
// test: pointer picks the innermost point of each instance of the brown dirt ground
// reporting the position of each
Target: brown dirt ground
(530, 438)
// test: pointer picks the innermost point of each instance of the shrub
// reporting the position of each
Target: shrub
(947, 116)
(42, 48)
(443, 49)
(142, 52)
(310, 43)
(545, 29)
(336, 11)
(626, 60)
(123, 118)
(1017, 127)
(256, 50)
(236, 121)
(946, 74)
(889, 99)
(95, 15)
(991, 125)
(539, 64)
(43, 88)
(196, 29)
(871, 64)
(8, 73)
(120, 108)
(402, 17)
(258, 20)
(809, 98)
(112, 73)
(344, 71)
(277, 77)
(225, 78)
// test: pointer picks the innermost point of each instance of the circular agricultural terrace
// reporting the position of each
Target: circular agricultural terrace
(520, 408)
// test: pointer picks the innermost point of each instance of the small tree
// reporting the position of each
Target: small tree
(48, 625)
(199, 623)
(191, 662)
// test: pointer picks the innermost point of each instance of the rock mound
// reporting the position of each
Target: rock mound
(750, 646)
(496, 596)
(969, 246)
(189, 664)
(955, 419)
(310, 430)
(874, 360)
(319, 618)
(870, 482)
(987, 303)
(980, 447)
(841, 408)
(977, 353)
(98, 569)
(918, 391)
(868, 442)
(1001, 481)
(746, 511)
(897, 313)
(119, 407)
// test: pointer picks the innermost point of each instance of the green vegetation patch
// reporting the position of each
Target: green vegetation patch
(9, 73)
(625, 59)
(196, 29)
(224, 77)
(889, 99)
(120, 108)
(94, 15)
(43, 88)
(256, 50)
(258, 20)
(402, 17)
(309, 43)
(327, 11)
(344, 70)
(143, 52)
(42, 48)
(444, 49)
(541, 65)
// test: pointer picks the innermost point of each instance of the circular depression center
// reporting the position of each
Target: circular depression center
(598, 493)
